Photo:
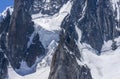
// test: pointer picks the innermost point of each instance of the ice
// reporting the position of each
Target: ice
(24, 69)
(46, 37)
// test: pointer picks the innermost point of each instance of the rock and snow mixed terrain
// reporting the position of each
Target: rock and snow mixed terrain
(48, 28)
(106, 65)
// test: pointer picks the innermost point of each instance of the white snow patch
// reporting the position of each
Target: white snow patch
(116, 7)
(42, 73)
(13, 75)
(118, 28)
(83, 12)
(4, 13)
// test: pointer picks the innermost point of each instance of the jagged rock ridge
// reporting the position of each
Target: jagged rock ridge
(96, 20)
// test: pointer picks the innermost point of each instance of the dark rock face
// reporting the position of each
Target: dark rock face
(45, 7)
(35, 50)
(20, 30)
(16, 30)
(95, 18)
(4, 24)
(98, 24)
(64, 64)
(15, 35)
(3, 66)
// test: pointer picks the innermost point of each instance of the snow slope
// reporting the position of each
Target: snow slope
(42, 73)
(52, 23)
(105, 66)
(48, 27)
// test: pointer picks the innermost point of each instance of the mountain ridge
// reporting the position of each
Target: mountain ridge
(61, 40)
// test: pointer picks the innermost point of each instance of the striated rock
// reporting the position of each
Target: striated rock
(20, 30)
(95, 19)
(64, 64)
(97, 23)
(3, 66)
(4, 24)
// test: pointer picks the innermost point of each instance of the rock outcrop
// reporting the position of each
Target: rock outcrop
(97, 22)
(95, 18)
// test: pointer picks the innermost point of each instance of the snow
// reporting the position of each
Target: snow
(42, 73)
(4, 13)
(24, 69)
(42, 68)
(105, 66)
(116, 7)
(47, 36)
(46, 61)
(83, 12)
(52, 23)
(48, 27)
(118, 28)
(13, 75)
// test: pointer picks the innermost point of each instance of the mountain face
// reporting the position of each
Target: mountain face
(96, 25)
(55, 34)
